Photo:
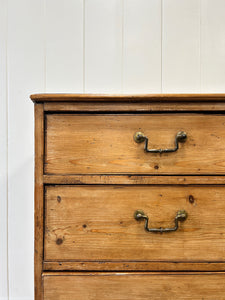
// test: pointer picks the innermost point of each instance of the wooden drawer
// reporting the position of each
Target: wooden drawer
(104, 144)
(129, 286)
(96, 223)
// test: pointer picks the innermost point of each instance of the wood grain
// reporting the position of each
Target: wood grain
(39, 201)
(128, 98)
(96, 223)
(96, 176)
(103, 144)
(118, 266)
(124, 286)
(134, 107)
(133, 179)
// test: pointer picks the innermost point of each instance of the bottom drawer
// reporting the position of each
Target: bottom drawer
(129, 286)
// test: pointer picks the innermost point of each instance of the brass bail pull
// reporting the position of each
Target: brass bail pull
(181, 137)
(180, 216)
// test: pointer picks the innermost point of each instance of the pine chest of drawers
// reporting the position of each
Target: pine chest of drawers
(129, 197)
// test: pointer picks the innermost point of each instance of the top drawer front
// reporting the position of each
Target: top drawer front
(104, 144)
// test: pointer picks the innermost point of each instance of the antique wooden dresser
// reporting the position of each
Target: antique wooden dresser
(129, 197)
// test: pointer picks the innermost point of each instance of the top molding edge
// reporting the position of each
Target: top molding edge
(160, 98)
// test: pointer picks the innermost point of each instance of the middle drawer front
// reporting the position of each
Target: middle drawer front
(96, 223)
(104, 144)
(130, 286)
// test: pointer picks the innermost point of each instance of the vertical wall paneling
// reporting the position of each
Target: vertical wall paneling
(25, 76)
(98, 46)
(64, 46)
(213, 46)
(142, 46)
(181, 46)
(103, 46)
(3, 153)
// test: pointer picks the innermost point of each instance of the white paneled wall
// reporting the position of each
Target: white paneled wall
(103, 46)
(212, 45)
(25, 68)
(142, 46)
(92, 46)
(64, 45)
(3, 154)
(181, 46)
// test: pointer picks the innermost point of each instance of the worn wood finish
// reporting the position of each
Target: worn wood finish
(126, 286)
(38, 209)
(134, 107)
(95, 176)
(103, 144)
(133, 179)
(132, 266)
(128, 98)
(96, 223)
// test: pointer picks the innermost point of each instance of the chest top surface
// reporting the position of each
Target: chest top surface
(139, 98)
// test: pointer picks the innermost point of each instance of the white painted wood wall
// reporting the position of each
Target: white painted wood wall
(83, 46)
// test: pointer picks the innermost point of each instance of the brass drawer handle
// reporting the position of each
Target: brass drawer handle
(181, 216)
(181, 137)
